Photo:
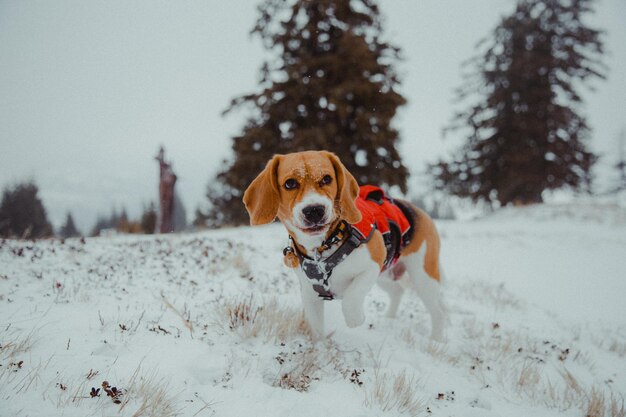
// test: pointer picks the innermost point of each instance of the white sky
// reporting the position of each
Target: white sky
(90, 89)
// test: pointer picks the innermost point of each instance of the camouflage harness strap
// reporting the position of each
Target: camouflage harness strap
(319, 271)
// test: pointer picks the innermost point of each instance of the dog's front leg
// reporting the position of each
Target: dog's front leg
(313, 308)
(354, 296)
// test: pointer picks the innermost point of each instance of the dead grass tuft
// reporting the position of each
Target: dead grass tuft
(146, 391)
(17, 373)
(300, 366)
(439, 351)
(301, 372)
(535, 384)
(617, 408)
(536, 371)
(156, 399)
(16, 344)
(241, 314)
(269, 321)
(394, 392)
(595, 404)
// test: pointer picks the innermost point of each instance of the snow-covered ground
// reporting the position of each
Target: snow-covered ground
(209, 324)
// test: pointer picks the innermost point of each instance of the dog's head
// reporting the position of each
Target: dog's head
(306, 190)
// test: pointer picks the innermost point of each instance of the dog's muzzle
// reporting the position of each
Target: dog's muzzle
(314, 214)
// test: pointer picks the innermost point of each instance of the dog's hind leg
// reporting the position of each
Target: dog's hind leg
(390, 282)
(428, 289)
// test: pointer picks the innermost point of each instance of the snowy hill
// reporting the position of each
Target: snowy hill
(209, 324)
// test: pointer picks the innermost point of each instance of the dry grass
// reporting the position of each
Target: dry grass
(149, 394)
(298, 372)
(185, 316)
(563, 391)
(532, 381)
(300, 366)
(616, 408)
(538, 372)
(16, 376)
(440, 352)
(269, 321)
(154, 395)
(394, 392)
(598, 405)
(14, 344)
(595, 404)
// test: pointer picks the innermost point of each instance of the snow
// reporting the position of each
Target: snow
(209, 324)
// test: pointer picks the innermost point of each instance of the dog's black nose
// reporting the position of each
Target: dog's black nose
(313, 214)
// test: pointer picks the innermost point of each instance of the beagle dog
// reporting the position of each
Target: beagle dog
(315, 198)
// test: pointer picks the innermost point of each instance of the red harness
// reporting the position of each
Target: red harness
(380, 212)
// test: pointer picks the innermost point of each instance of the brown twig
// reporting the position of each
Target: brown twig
(186, 322)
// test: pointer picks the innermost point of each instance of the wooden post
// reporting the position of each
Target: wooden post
(167, 180)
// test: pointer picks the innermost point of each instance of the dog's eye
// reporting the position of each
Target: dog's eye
(291, 184)
(326, 180)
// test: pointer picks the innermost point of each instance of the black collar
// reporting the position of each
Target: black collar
(320, 270)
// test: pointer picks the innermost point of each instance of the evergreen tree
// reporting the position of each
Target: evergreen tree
(221, 212)
(331, 86)
(148, 219)
(108, 223)
(69, 228)
(526, 135)
(22, 214)
(121, 222)
(113, 221)
(101, 224)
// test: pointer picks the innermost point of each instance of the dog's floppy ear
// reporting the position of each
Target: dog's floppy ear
(347, 191)
(261, 198)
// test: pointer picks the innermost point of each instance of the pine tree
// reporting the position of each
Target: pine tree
(148, 219)
(108, 223)
(121, 222)
(101, 224)
(22, 214)
(527, 135)
(69, 228)
(332, 86)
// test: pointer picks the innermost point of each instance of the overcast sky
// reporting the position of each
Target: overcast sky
(90, 89)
